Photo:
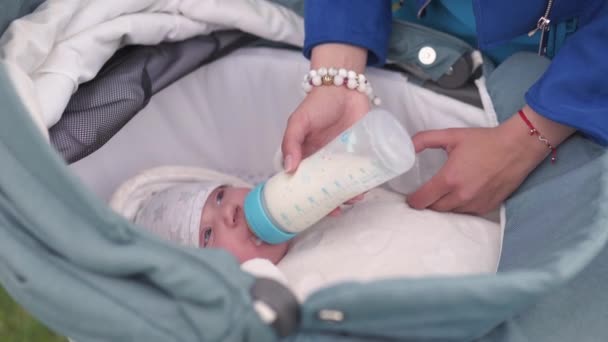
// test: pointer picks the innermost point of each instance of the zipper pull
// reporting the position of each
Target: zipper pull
(542, 24)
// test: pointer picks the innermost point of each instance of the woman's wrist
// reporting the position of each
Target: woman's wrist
(555, 132)
(518, 137)
(344, 56)
(336, 55)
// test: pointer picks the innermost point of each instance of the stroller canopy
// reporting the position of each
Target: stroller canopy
(91, 275)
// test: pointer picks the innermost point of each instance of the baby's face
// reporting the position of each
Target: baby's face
(223, 225)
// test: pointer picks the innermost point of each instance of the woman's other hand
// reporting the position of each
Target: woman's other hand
(485, 165)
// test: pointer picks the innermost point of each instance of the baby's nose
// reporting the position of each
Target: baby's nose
(230, 217)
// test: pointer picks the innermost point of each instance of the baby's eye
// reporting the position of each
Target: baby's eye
(219, 197)
(207, 235)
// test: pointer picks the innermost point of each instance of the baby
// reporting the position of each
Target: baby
(380, 237)
(206, 214)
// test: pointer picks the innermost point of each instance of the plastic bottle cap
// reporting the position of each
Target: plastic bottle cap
(396, 149)
(260, 222)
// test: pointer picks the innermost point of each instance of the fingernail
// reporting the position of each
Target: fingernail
(287, 163)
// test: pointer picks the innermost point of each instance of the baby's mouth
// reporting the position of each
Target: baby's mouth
(239, 214)
(254, 239)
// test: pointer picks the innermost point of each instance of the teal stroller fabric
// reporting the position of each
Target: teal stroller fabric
(90, 275)
(83, 271)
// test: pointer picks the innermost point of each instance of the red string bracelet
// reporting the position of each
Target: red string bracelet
(534, 131)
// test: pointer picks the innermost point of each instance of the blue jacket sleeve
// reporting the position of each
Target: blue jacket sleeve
(574, 89)
(364, 23)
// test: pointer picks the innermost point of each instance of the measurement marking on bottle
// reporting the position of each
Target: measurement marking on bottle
(285, 218)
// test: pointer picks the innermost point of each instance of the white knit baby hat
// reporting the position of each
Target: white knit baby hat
(168, 201)
(175, 212)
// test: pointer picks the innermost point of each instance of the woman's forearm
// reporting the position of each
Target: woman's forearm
(345, 56)
(519, 134)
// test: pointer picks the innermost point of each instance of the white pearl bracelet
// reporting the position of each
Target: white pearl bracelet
(340, 77)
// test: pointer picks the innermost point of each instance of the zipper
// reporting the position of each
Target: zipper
(543, 25)
(397, 5)
(422, 9)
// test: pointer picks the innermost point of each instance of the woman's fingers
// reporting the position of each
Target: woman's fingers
(430, 192)
(338, 211)
(450, 202)
(441, 138)
(438, 188)
(335, 213)
(355, 199)
(293, 139)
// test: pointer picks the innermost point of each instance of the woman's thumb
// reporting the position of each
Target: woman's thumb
(292, 146)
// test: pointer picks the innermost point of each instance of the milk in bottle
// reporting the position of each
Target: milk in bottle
(374, 150)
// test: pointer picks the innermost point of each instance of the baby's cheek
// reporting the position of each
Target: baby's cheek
(236, 249)
(272, 253)
(243, 254)
(276, 252)
(247, 251)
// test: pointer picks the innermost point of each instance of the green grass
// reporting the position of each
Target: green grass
(16, 325)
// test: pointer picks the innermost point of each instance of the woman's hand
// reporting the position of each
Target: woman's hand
(485, 165)
(324, 113)
(327, 110)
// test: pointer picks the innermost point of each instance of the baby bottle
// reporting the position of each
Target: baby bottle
(374, 150)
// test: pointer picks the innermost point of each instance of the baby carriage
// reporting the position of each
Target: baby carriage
(75, 77)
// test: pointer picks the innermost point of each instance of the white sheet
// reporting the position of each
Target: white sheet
(383, 238)
(65, 42)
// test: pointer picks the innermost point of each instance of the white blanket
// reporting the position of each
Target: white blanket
(378, 238)
(383, 238)
(66, 42)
